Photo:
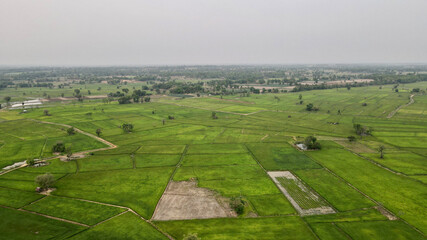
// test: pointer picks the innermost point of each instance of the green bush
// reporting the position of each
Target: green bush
(45, 181)
(58, 147)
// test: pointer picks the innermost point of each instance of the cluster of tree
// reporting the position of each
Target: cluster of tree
(58, 147)
(179, 87)
(127, 127)
(138, 94)
(77, 94)
(45, 181)
(29, 85)
(238, 205)
(116, 94)
(362, 130)
(311, 143)
(124, 100)
(311, 107)
(71, 131)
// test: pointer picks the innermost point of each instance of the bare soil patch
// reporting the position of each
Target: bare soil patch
(184, 200)
(386, 213)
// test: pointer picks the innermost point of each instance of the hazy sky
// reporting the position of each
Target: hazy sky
(139, 32)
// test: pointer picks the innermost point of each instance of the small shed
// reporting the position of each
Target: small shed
(302, 146)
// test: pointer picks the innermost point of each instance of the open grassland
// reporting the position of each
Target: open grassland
(229, 157)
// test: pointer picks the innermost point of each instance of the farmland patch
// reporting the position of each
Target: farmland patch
(184, 200)
(305, 200)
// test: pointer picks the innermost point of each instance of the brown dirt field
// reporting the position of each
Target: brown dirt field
(184, 200)
(386, 213)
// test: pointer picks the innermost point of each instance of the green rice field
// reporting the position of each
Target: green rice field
(113, 187)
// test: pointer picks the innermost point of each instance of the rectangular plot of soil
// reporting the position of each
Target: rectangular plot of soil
(305, 200)
(184, 200)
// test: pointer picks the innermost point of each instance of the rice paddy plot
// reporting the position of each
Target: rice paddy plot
(17, 198)
(305, 200)
(19, 225)
(335, 191)
(74, 210)
(125, 226)
(216, 148)
(379, 230)
(288, 227)
(280, 156)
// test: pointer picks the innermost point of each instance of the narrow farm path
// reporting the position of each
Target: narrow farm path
(56, 218)
(111, 145)
(411, 100)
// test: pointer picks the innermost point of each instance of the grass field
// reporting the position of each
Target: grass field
(230, 156)
(74, 210)
(281, 156)
(262, 228)
(21, 225)
(336, 192)
(126, 226)
(139, 189)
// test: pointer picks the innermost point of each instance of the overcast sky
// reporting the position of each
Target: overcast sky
(158, 32)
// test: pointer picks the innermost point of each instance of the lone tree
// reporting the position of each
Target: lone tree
(381, 151)
(311, 143)
(69, 153)
(7, 99)
(71, 131)
(214, 116)
(58, 147)
(127, 127)
(46, 112)
(45, 181)
(300, 97)
(238, 205)
(98, 132)
(31, 162)
(351, 138)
